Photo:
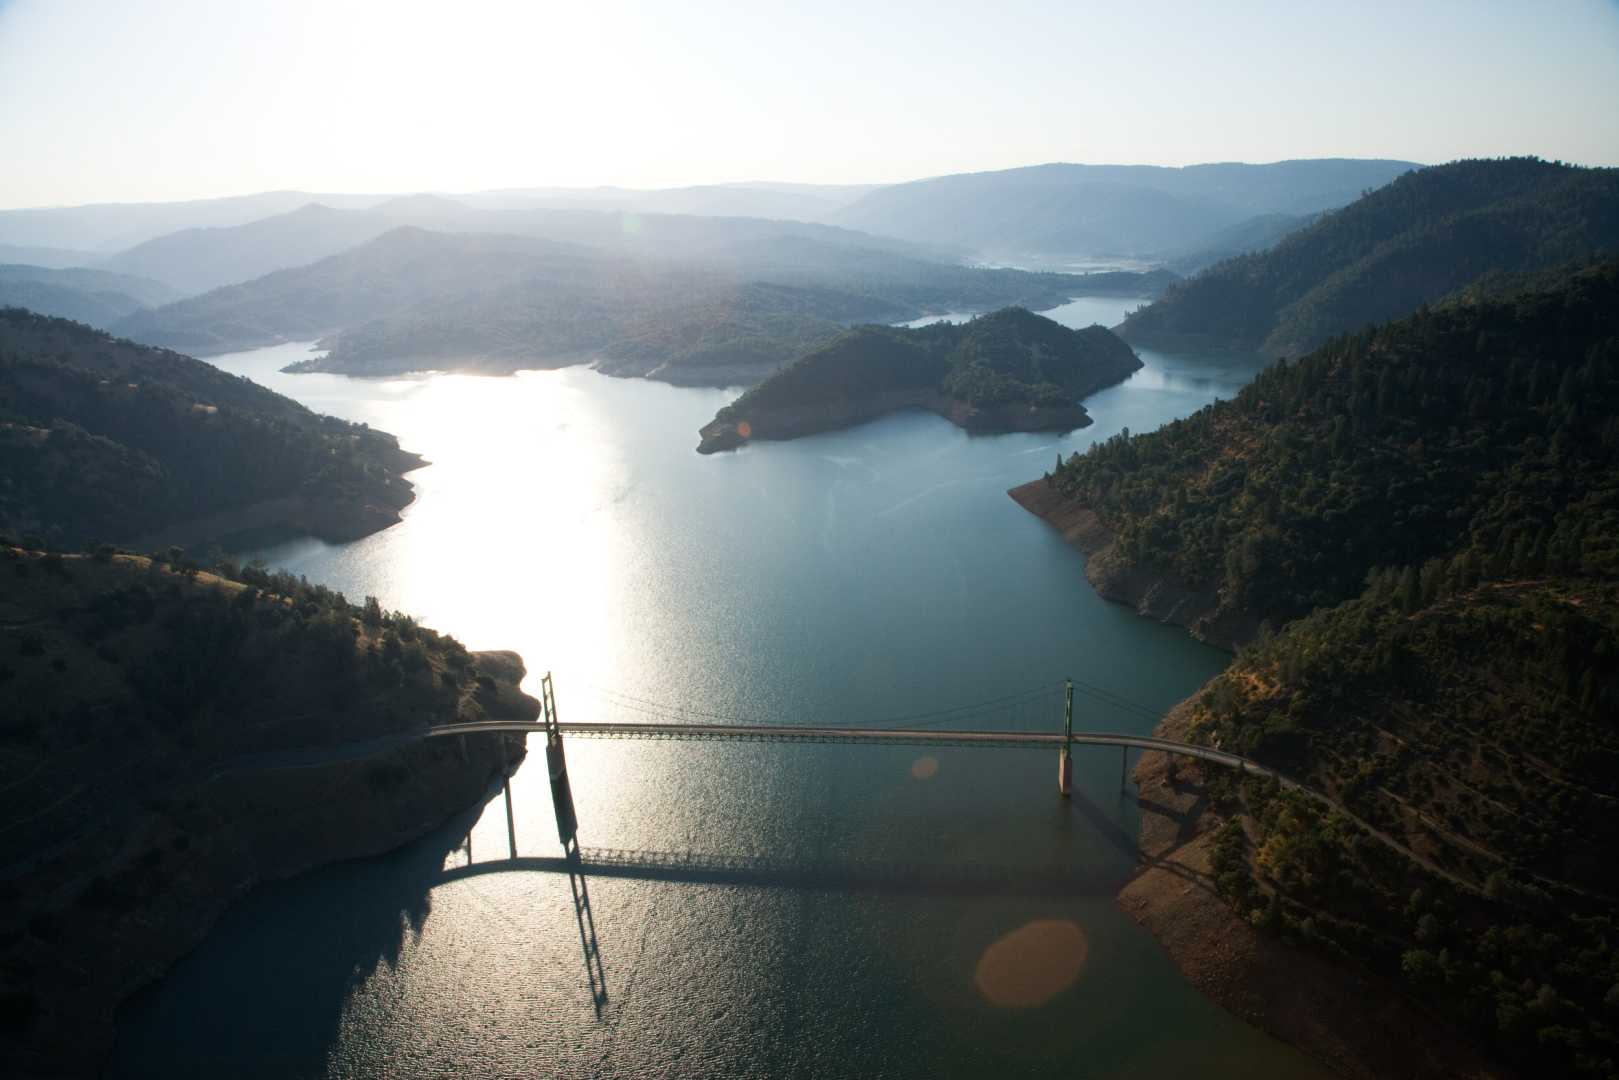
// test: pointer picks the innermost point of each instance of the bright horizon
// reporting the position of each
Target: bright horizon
(146, 101)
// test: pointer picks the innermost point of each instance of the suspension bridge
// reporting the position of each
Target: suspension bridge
(924, 729)
(939, 728)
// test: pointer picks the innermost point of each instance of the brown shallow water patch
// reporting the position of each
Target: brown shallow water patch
(1032, 964)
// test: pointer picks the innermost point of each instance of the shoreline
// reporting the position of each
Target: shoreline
(720, 435)
(1155, 594)
(334, 520)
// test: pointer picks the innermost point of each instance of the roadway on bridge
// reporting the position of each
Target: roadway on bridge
(869, 736)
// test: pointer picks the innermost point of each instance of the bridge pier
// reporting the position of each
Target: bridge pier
(557, 765)
(511, 823)
(1065, 756)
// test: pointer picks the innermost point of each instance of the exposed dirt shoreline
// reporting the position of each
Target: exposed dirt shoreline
(1353, 1021)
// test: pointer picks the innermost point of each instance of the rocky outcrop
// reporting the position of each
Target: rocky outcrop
(781, 424)
(1153, 593)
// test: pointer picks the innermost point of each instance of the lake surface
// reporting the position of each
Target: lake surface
(760, 910)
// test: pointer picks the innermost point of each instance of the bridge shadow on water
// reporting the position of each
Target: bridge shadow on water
(267, 996)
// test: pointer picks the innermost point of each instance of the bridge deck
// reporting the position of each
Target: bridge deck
(877, 736)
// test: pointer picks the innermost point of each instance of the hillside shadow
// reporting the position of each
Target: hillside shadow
(265, 995)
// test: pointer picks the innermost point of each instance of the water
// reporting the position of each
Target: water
(773, 910)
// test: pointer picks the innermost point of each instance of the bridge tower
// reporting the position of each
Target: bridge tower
(1065, 756)
(557, 765)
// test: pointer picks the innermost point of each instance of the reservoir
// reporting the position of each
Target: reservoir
(757, 910)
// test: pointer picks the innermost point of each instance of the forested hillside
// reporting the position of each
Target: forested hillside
(1466, 723)
(1482, 435)
(1428, 515)
(102, 439)
(1414, 242)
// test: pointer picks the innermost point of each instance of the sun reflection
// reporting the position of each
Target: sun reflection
(1032, 964)
(925, 767)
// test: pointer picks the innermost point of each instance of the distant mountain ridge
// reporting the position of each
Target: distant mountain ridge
(416, 299)
(99, 230)
(94, 297)
(1109, 209)
(201, 259)
(106, 440)
(1427, 235)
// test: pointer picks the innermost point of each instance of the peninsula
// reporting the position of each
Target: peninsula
(1010, 370)
(104, 440)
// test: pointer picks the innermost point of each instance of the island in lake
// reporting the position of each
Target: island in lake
(1010, 370)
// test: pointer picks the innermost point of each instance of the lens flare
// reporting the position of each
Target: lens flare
(1032, 964)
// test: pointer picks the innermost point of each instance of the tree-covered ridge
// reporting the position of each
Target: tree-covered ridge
(1466, 724)
(1484, 433)
(1010, 355)
(102, 439)
(1430, 233)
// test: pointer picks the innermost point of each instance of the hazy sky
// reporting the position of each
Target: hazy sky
(138, 99)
